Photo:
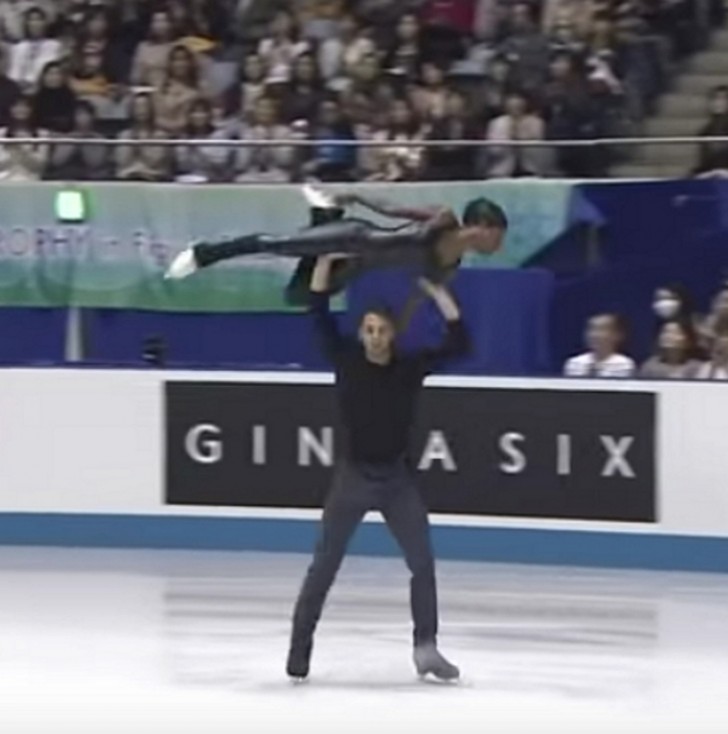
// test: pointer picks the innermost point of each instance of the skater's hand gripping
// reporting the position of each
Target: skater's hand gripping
(442, 298)
(322, 272)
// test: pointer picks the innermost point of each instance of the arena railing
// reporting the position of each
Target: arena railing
(310, 143)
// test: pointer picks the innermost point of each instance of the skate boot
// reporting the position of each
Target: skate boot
(203, 254)
(299, 658)
(183, 265)
(429, 660)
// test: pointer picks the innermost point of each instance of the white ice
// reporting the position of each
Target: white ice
(131, 641)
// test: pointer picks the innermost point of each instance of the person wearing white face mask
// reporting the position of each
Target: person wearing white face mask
(672, 303)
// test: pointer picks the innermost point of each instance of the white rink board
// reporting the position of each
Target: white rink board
(92, 441)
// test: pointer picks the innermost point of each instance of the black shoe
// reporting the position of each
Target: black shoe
(299, 659)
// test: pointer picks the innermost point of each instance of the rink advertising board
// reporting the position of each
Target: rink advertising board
(573, 454)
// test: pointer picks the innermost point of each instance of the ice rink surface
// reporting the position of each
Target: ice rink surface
(132, 642)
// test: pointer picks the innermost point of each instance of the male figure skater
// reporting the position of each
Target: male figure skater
(433, 240)
(378, 390)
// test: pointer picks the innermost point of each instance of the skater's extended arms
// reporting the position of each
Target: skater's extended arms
(387, 209)
(326, 326)
(456, 342)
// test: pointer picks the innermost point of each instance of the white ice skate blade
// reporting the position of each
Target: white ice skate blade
(182, 266)
(317, 199)
(431, 679)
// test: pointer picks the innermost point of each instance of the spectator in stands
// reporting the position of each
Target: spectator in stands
(71, 162)
(446, 25)
(266, 164)
(319, 19)
(564, 38)
(179, 90)
(201, 24)
(384, 14)
(339, 54)
(9, 90)
(197, 163)
(302, 98)
(142, 162)
(328, 161)
(30, 56)
(429, 99)
(673, 303)
(518, 123)
(397, 162)
(718, 315)
(605, 336)
(13, 16)
(406, 55)
(89, 78)
(366, 77)
(95, 38)
(717, 367)
(281, 48)
(241, 99)
(674, 357)
(567, 111)
(152, 55)
(526, 48)
(713, 161)
(112, 102)
(455, 163)
(499, 82)
(54, 102)
(253, 18)
(22, 162)
(575, 14)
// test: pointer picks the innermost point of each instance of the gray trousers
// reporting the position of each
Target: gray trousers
(356, 490)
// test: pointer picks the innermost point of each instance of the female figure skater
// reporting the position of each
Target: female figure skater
(433, 240)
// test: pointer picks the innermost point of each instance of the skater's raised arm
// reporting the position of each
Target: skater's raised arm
(325, 322)
(387, 209)
(456, 342)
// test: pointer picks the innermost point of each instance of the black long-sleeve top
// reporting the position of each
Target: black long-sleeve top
(377, 403)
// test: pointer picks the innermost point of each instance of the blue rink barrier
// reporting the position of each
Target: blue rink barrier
(499, 545)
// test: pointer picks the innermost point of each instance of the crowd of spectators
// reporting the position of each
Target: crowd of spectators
(333, 71)
(687, 345)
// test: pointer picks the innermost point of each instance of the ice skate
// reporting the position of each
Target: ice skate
(299, 659)
(184, 265)
(429, 660)
(317, 199)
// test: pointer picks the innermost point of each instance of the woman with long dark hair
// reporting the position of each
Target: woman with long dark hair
(152, 55)
(73, 161)
(199, 163)
(30, 56)
(180, 88)
(22, 162)
(142, 162)
(55, 101)
(302, 97)
(674, 356)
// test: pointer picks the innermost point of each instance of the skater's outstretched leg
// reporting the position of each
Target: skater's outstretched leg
(348, 235)
(328, 233)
